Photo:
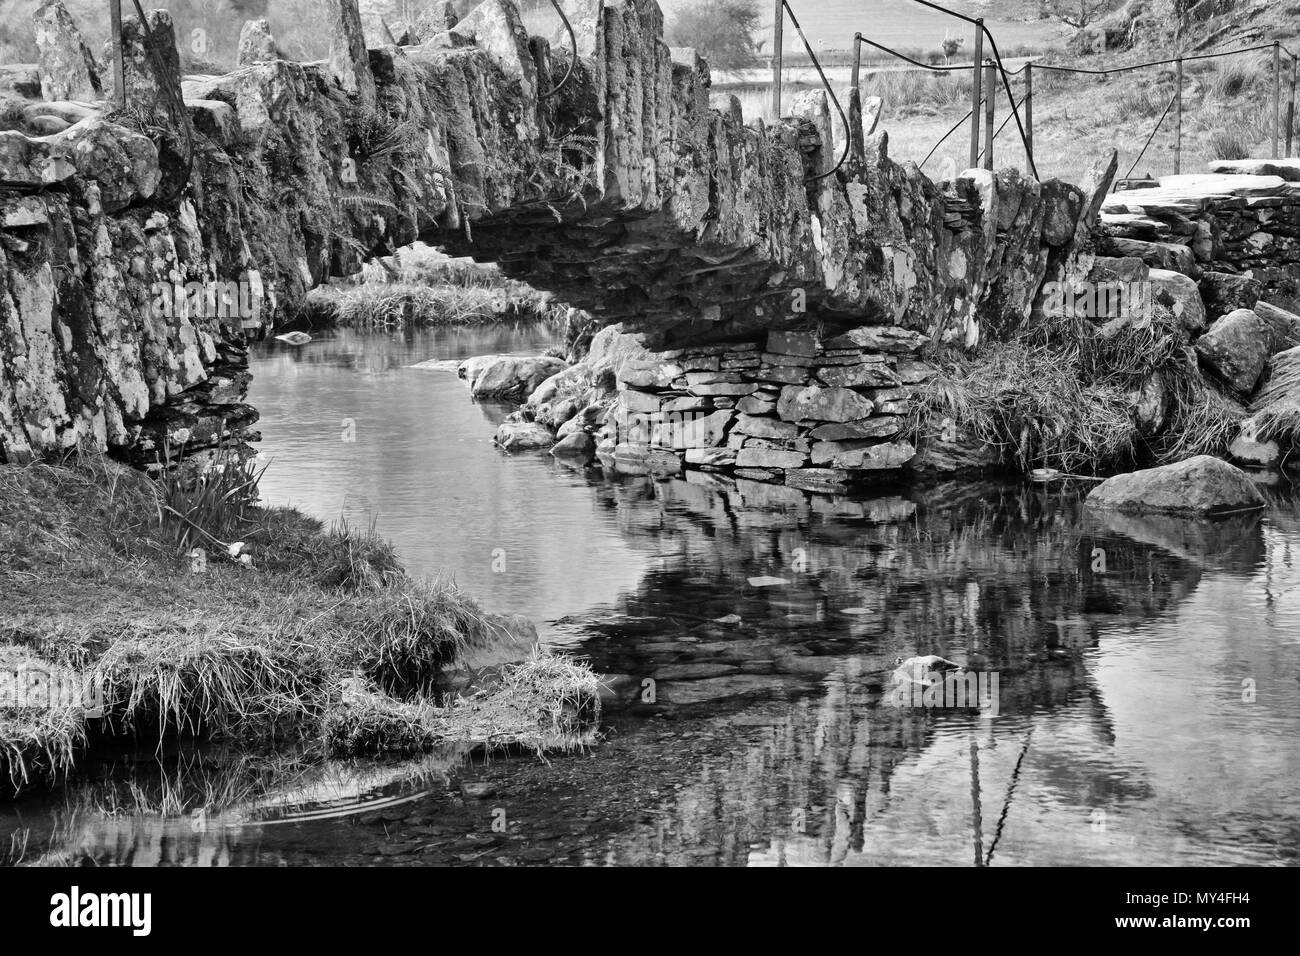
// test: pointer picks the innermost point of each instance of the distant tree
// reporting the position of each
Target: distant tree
(722, 31)
(1078, 13)
(950, 47)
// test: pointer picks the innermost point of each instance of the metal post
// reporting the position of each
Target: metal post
(989, 93)
(1277, 93)
(1029, 113)
(1178, 117)
(778, 43)
(977, 94)
(857, 61)
(1290, 109)
(119, 74)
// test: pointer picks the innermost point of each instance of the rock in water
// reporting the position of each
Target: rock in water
(1202, 486)
(578, 445)
(523, 436)
(510, 377)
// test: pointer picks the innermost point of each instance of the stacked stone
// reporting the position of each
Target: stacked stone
(1243, 219)
(814, 415)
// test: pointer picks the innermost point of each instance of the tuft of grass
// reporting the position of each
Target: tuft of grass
(412, 633)
(214, 506)
(1204, 419)
(201, 680)
(40, 727)
(368, 722)
(546, 702)
(1229, 143)
(1277, 407)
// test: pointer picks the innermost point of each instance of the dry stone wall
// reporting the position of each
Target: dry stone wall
(817, 415)
(624, 194)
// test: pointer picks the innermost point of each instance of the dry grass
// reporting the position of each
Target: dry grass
(40, 729)
(1060, 393)
(1277, 407)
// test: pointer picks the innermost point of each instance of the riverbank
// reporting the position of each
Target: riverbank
(419, 287)
(132, 610)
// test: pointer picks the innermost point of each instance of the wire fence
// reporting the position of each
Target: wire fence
(987, 73)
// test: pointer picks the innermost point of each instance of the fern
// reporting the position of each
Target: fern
(367, 201)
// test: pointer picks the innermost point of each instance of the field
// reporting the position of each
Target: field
(1227, 114)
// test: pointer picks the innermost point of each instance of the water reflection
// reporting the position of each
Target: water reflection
(1147, 677)
(354, 430)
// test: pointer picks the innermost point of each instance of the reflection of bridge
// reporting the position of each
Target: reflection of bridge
(624, 193)
(819, 770)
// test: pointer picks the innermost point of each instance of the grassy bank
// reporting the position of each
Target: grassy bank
(186, 609)
(421, 287)
(1065, 394)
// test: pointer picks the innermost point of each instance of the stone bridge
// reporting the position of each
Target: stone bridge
(624, 193)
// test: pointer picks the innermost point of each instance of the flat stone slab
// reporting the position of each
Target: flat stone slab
(1199, 487)
(1193, 192)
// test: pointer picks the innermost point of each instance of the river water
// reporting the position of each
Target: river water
(1140, 677)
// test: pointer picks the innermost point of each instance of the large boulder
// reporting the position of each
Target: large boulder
(507, 377)
(1202, 486)
(1237, 347)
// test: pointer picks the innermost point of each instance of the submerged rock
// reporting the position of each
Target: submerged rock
(1198, 486)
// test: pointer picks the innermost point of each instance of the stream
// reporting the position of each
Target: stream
(1144, 672)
